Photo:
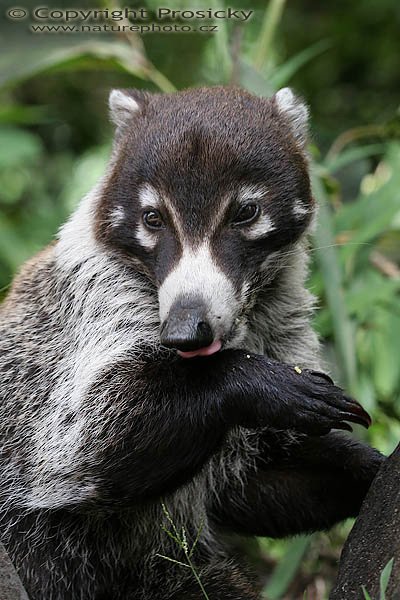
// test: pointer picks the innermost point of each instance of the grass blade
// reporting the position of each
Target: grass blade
(286, 569)
(384, 579)
(287, 70)
(329, 263)
(272, 16)
(353, 154)
(366, 595)
(177, 562)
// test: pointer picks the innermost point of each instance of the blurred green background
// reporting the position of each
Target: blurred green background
(344, 59)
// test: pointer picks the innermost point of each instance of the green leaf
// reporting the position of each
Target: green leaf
(375, 212)
(329, 264)
(383, 582)
(47, 57)
(351, 155)
(12, 252)
(87, 169)
(284, 73)
(370, 292)
(384, 579)
(385, 362)
(221, 44)
(272, 16)
(287, 568)
(366, 595)
(17, 147)
(26, 115)
(253, 81)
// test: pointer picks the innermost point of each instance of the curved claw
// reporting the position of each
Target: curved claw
(358, 411)
(361, 420)
(343, 425)
(321, 375)
(351, 410)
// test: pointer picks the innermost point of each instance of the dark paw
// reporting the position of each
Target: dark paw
(326, 406)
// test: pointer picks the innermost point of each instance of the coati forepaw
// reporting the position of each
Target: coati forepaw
(327, 406)
(263, 392)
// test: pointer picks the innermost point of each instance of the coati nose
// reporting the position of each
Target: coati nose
(186, 328)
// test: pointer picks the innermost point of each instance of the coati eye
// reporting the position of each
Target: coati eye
(153, 219)
(246, 214)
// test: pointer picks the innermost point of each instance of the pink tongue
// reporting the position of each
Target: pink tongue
(207, 351)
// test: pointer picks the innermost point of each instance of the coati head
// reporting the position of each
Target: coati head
(206, 186)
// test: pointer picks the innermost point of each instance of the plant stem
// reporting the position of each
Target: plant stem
(351, 135)
(159, 79)
(272, 16)
(196, 576)
(331, 272)
(148, 69)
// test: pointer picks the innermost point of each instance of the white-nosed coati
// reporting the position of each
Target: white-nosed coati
(148, 356)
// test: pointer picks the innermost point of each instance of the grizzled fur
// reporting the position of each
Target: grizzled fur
(100, 424)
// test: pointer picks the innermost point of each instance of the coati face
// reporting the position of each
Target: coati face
(206, 187)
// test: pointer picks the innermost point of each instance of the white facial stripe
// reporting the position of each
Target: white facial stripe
(247, 192)
(149, 197)
(175, 218)
(219, 213)
(299, 209)
(197, 274)
(261, 227)
(145, 238)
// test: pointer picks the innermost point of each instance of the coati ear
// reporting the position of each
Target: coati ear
(296, 113)
(125, 103)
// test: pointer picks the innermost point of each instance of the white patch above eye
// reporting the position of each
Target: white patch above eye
(249, 191)
(299, 209)
(260, 228)
(149, 197)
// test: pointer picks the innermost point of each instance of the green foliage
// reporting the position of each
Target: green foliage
(383, 582)
(366, 325)
(55, 141)
(179, 537)
(287, 568)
